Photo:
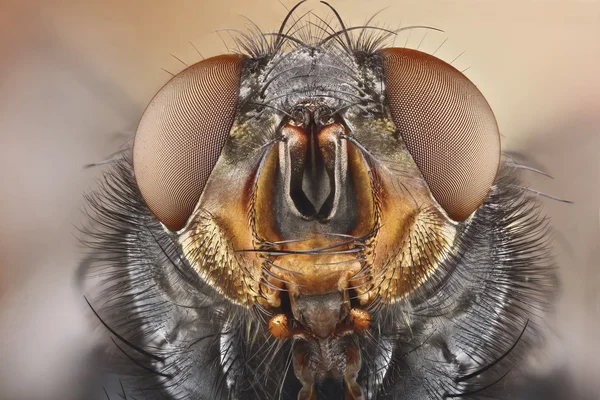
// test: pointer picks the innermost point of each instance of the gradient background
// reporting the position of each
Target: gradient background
(75, 77)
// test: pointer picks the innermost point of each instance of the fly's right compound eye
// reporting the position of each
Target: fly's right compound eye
(181, 135)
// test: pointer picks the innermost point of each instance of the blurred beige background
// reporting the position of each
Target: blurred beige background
(76, 75)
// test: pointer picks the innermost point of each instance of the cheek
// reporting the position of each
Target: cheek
(414, 235)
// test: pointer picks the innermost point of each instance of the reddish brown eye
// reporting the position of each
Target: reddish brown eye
(181, 135)
(447, 126)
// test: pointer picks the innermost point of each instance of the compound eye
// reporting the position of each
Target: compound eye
(447, 126)
(181, 134)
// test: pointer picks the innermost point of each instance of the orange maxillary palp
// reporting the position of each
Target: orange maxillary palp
(278, 326)
(360, 319)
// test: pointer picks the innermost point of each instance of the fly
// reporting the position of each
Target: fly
(319, 216)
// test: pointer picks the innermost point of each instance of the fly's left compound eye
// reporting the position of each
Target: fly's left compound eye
(181, 135)
(447, 126)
